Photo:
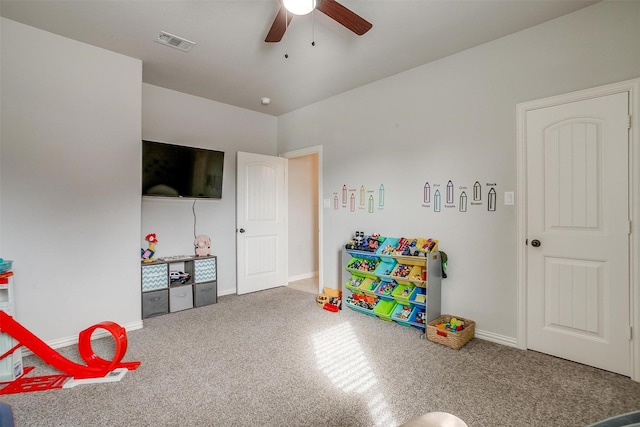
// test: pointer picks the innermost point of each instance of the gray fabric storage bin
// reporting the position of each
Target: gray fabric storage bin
(205, 293)
(180, 298)
(155, 303)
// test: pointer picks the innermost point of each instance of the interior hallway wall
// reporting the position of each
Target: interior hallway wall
(455, 120)
(303, 217)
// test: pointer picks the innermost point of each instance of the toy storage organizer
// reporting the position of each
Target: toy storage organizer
(400, 288)
(10, 366)
(161, 295)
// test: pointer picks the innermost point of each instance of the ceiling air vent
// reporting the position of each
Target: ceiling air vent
(175, 41)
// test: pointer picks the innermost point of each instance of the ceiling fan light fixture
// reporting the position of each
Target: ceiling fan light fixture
(299, 7)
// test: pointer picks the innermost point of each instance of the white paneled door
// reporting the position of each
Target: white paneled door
(578, 301)
(261, 208)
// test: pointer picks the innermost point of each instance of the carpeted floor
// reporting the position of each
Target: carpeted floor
(274, 358)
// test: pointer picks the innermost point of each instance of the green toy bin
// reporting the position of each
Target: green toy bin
(384, 308)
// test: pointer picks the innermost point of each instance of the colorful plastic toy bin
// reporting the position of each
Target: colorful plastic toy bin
(403, 292)
(419, 296)
(384, 308)
(401, 271)
(362, 303)
(385, 289)
(5, 266)
(386, 267)
(364, 266)
(403, 313)
(418, 318)
(369, 285)
(354, 282)
(388, 247)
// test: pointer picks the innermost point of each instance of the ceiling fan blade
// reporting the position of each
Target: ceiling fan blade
(279, 26)
(344, 16)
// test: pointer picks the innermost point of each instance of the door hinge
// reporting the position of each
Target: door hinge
(630, 333)
(629, 124)
(629, 227)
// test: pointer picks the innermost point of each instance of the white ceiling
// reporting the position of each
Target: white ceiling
(231, 63)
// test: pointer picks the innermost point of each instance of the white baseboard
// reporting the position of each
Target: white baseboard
(303, 276)
(496, 338)
(73, 340)
(227, 292)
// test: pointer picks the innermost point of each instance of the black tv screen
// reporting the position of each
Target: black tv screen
(170, 170)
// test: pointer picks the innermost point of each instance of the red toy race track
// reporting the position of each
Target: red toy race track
(95, 370)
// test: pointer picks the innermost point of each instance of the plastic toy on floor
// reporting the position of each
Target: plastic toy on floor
(96, 370)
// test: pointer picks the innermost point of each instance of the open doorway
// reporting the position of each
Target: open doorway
(305, 219)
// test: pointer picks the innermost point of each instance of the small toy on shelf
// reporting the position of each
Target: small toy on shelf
(420, 317)
(355, 281)
(388, 250)
(179, 276)
(386, 288)
(362, 301)
(404, 313)
(202, 245)
(402, 270)
(147, 255)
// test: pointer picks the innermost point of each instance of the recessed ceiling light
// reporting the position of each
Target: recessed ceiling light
(174, 41)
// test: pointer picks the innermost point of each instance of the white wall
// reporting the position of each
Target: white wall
(303, 217)
(177, 118)
(70, 181)
(454, 119)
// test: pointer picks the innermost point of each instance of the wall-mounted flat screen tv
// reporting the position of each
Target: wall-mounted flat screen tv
(170, 170)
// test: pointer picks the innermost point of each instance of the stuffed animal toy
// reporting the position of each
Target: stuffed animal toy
(203, 245)
(147, 254)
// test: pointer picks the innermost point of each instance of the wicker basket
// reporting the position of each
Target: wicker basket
(455, 340)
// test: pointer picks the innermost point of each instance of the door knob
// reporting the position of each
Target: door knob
(535, 243)
(242, 230)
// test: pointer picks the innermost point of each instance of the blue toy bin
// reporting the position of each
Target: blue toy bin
(419, 300)
(399, 309)
(5, 265)
(387, 294)
(385, 268)
(387, 247)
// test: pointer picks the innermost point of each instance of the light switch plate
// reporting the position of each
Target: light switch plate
(326, 203)
(509, 198)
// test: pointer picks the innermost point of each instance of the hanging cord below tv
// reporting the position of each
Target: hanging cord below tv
(193, 209)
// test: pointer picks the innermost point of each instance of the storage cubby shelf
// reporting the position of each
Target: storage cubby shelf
(164, 293)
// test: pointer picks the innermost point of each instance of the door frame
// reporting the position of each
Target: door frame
(633, 87)
(316, 149)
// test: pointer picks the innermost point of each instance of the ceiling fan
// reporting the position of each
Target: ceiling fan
(331, 8)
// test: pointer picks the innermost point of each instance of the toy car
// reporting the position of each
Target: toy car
(180, 276)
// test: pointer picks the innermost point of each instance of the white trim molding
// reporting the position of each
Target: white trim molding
(496, 338)
(633, 88)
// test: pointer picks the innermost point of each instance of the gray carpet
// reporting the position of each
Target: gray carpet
(274, 358)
